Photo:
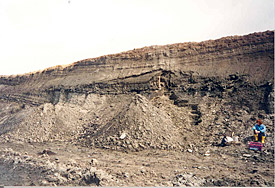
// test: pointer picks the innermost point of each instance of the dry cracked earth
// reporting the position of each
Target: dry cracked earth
(148, 117)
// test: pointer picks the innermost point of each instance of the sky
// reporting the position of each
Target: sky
(37, 34)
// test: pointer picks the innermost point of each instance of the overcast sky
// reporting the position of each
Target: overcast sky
(36, 34)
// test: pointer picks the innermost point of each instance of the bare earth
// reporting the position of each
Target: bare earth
(153, 116)
(227, 166)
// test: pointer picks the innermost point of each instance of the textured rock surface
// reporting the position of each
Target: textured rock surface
(180, 98)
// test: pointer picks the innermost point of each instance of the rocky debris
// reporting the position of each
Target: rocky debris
(225, 181)
(47, 152)
(53, 172)
(98, 177)
(94, 162)
(120, 134)
(145, 168)
(188, 180)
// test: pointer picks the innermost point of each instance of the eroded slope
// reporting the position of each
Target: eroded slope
(179, 98)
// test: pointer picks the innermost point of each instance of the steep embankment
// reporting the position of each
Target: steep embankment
(251, 54)
(153, 97)
(158, 106)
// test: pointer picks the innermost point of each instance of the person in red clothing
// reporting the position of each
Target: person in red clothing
(259, 131)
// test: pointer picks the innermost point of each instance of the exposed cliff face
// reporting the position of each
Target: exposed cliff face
(250, 55)
(239, 70)
(173, 97)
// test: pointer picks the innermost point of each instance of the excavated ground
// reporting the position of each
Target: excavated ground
(21, 164)
(134, 140)
(148, 117)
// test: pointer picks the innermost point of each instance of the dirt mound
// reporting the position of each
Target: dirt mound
(139, 125)
(120, 122)
(133, 122)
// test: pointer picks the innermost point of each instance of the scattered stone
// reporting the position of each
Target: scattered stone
(187, 180)
(123, 135)
(94, 162)
(47, 152)
(44, 183)
(51, 178)
(142, 171)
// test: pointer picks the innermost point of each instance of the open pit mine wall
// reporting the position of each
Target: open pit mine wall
(145, 69)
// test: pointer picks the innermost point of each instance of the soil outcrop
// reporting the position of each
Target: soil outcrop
(158, 101)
